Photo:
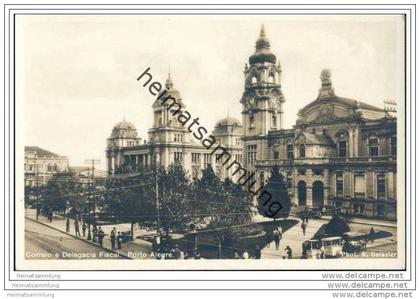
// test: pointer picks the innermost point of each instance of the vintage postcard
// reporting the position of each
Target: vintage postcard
(210, 142)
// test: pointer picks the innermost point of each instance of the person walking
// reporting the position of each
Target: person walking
(372, 234)
(236, 255)
(119, 240)
(94, 233)
(303, 226)
(113, 232)
(245, 255)
(68, 225)
(276, 238)
(289, 253)
(76, 228)
(84, 229)
(101, 236)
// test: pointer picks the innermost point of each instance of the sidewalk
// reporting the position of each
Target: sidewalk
(136, 249)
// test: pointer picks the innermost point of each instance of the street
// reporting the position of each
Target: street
(42, 242)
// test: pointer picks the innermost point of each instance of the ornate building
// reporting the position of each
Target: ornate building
(41, 165)
(169, 142)
(340, 153)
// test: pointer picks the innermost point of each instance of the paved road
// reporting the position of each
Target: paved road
(42, 242)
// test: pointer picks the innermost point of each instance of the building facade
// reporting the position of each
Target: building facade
(40, 165)
(340, 153)
(169, 142)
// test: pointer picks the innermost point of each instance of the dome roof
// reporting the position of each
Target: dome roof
(262, 50)
(228, 121)
(124, 129)
(170, 91)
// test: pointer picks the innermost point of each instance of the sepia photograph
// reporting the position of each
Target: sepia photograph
(211, 142)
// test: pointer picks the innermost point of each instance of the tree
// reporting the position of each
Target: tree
(63, 190)
(175, 199)
(278, 204)
(129, 199)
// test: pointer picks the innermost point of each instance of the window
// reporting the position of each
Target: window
(380, 210)
(195, 158)
(290, 151)
(178, 157)
(373, 145)
(381, 184)
(178, 137)
(251, 153)
(207, 160)
(274, 119)
(276, 155)
(195, 173)
(49, 168)
(289, 180)
(55, 167)
(339, 184)
(342, 148)
(302, 171)
(394, 145)
(302, 151)
(359, 185)
(254, 79)
(317, 171)
(271, 78)
(251, 120)
(359, 208)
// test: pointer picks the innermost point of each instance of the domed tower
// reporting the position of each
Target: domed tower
(124, 134)
(262, 100)
(166, 127)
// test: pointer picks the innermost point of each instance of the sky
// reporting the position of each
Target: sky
(76, 75)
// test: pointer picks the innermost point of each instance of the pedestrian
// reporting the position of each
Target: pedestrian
(84, 228)
(177, 252)
(101, 236)
(304, 249)
(76, 227)
(94, 233)
(372, 234)
(245, 255)
(303, 226)
(257, 253)
(288, 252)
(236, 255)
(119, 240)
(68, 225)
(276, 238)
(113, 231)
(322, 252)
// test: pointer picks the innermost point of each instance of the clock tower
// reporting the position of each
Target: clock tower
(262, 100)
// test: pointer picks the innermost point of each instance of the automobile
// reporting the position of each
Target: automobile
(313, 249)
(313, 213)
(333, 246)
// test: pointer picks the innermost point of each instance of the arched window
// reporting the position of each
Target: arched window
(254, 79)
(251, 119)
(274, 119)
(271, 78)
(342, 143)
(302, 151)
